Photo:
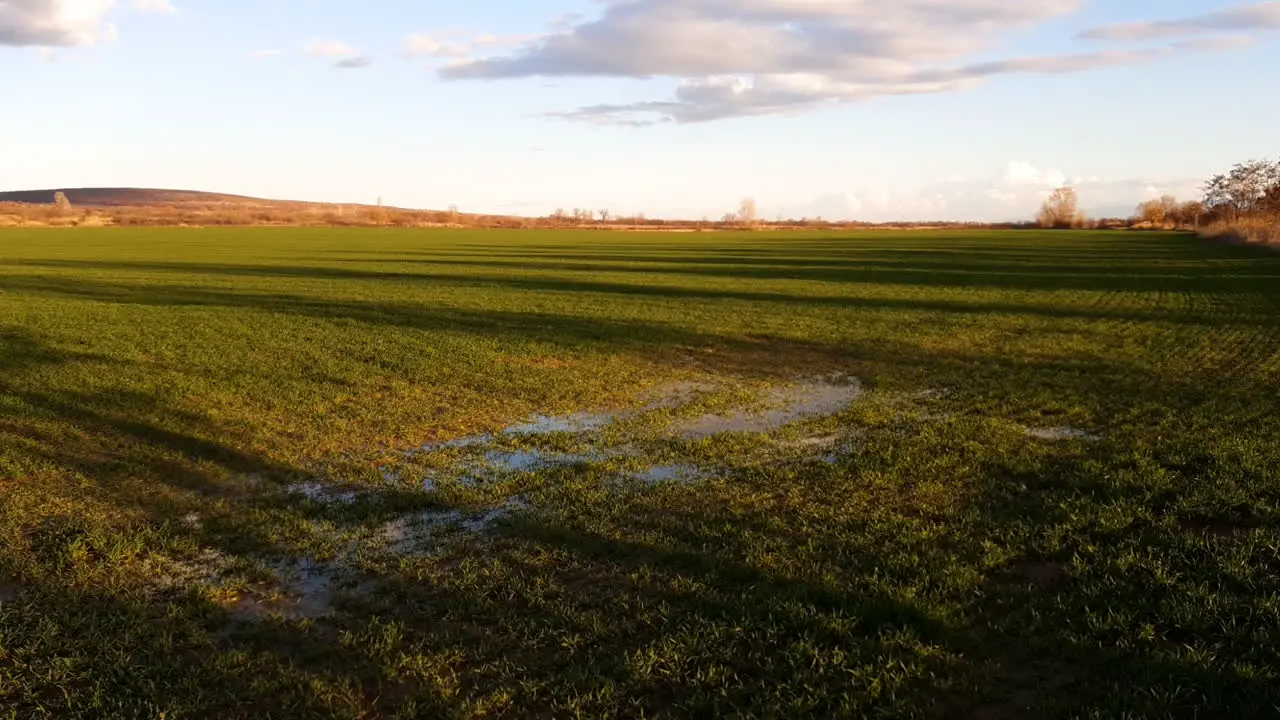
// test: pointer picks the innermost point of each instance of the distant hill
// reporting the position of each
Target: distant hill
(130, 197)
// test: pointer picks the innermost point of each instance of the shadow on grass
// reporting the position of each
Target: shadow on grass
(660, 609)
(675, 607)
(425, 317)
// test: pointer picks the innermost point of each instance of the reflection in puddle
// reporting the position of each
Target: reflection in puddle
(671, 473)
(581, 422)
(530, 460)
(321, 493)
(788, 404)
(307, 590)
(408, 533)
(575, 423)
(1062, 433)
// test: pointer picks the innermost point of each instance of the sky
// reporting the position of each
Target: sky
(873, 110)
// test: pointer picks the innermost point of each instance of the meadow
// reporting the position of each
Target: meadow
(381, 473)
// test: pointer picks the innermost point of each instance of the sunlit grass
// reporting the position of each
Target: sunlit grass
(161, 392)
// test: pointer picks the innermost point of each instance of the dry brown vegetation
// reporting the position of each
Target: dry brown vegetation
(1062, 211)
(96, 207)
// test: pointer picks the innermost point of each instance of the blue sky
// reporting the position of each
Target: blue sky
(866, 109)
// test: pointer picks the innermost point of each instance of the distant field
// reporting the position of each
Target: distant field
(263, 473)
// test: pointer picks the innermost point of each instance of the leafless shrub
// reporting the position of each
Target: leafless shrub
(1061, 210)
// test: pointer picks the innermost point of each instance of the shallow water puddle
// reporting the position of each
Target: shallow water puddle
(306, 589)
(798, 401)
(576, 423)
(321, 493)
(407, 534)
(801, 400)
(679, 472)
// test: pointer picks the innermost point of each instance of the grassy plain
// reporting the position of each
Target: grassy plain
(1057, 497)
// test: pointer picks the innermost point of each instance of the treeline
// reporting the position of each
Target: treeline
(1242, 204)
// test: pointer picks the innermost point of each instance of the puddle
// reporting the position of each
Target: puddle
(461, 443)
(800, 400)
(580, 422)
(321, 493)
(788, 404)
(312, 585)
(671, 473)
(209, 567)
(495, 463)
(407, 534)
(575, 423)
(307, 590)
(1058, 434)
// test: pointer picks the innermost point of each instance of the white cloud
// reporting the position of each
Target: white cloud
(328, 48)
(54, 22)
(265, 54)
(754, 57)
(459, 48)
(154, 6)
(432, 46)
(348, 58)
(1238, 18)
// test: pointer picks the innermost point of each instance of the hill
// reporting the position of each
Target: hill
(129, 197)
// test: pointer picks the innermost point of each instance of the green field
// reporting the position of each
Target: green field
(1055, 495)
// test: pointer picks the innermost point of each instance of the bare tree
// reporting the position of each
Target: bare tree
(1243, 191)
(747, 212)
(1150, 212)
(1160, 211)
(1061, 210)
(61, 204)
(1187, 214)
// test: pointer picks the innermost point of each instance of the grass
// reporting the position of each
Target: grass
(163, 391)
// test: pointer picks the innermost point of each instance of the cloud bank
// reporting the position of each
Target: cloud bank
(1239, 18)
(51, 23)
(1013, 193)
(735, 58)
(65, 23)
